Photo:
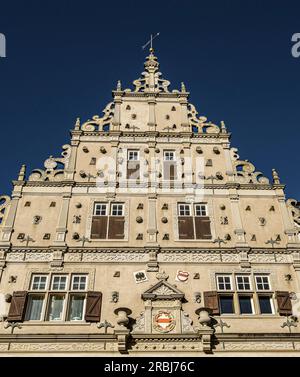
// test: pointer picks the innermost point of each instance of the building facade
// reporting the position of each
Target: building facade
(149, 235)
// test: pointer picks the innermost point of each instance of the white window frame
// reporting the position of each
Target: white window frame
(59, 289)
(270, 297)
(99, 205)
(72, 283)
(42, 315)
(243, 283)
(39, 289)
(185, 206)
(168, 154)
(65, 301)
(76, 293)
(202, 210)
(252, 303)
(218, 283)
(133, 153)
(119, 205)
(256, 283)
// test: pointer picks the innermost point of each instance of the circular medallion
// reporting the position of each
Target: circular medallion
(164, 321)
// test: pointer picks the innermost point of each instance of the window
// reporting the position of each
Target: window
(169, 156)
(56, 307)
(200, 210)
(184, 210)
(76, 308)
(262, 283)
(39, 282)
(133, 155)
(193, 221)
(117, 210)
(265, 304)
(79, 282)
(224, 283)
(59, 283)
(226, 304)
(108, 221)
(243, 283)
(133, 164)
(246, 305)
(63, 299)
(34, 307)
(100, 209)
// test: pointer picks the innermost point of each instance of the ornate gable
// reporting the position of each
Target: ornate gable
(163, 291)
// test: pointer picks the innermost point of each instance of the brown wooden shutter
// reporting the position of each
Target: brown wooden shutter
(133, 169)
(211, 301)
(93, 306)
(202, 225)
(116, 227)
(99, 227)
(17, 307)
(284, 302)
(185, 227)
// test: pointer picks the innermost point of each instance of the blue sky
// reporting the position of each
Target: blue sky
(65, 57)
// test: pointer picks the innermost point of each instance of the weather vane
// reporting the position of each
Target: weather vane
(150, 41)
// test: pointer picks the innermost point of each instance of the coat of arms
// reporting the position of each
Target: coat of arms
(182, 276)
(164, 321)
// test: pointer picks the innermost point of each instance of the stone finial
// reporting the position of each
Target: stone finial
(276, 179)
(77, 124)
(183, 89)
(223, 127)
(22, 172)
(119, 86)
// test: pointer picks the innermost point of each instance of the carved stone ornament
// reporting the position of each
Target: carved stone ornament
(294, 207)
(245, 171)
(97, 123)
(4, 202)
(201, 122)
(51, 173)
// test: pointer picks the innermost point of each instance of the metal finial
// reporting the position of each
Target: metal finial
(151, 43)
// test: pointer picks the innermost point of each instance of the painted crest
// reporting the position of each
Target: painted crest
(164, 321)
(140, 276)
(182, 276)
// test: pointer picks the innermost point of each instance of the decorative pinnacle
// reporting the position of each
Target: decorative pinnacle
(77, 124)
(223, 127)
(119, 86)
(183, 89)
(276, 179)
(22, 173)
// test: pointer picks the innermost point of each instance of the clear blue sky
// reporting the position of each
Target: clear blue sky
(65, 57)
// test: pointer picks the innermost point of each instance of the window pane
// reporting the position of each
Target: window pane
(59, 283)
(34, 308)
(243, 283)
(76, 308)
(265, 305)
(224, 282)
(133, 155)
(245, 305)
(169, 156)
(226, 304)
(262, 283)
(200, 210)
(39, 283)
(184, 210)
(117, 210)
(79, 283)
(100, 209)
(56, 306)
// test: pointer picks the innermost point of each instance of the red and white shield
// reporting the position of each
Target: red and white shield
(164, 321)
(182, 276)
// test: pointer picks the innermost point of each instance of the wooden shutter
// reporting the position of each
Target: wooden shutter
(185, 227)
(116, 227)
(17, 307)
(211, 301)
(93, 306)
(133, 169)
(99, 227)
(284, 303)
(202, 225)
